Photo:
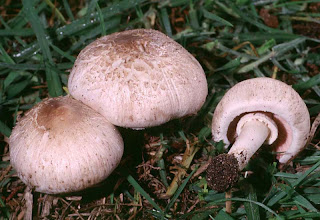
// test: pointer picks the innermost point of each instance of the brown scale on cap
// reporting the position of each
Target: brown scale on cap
(222, 172)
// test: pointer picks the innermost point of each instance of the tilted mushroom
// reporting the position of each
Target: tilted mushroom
(252, 113)
(138, 78)
(62, 146)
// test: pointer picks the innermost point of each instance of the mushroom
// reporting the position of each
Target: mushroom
(63, 146)
(252, 113)
(138, 78)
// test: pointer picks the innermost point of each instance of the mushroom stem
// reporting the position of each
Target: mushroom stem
(253, 134)
(28, 196)
(253, 129)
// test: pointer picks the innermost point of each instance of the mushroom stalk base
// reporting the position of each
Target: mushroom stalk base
(253, 134)
(222, 172)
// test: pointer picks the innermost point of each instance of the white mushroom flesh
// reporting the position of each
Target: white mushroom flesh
(253, 130)
(268, 96)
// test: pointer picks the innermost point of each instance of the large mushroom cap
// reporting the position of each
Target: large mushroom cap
(138, 78)
(61, 145)
(265, 95)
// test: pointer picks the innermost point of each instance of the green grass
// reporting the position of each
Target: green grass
(41, 39)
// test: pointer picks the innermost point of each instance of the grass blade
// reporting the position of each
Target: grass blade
(252, 209)
(166, 21)
(56, 11)
(277, 51)
(68, 9)
(53, 80)
(314, 110)
(246, 17)
(214, 17)
(137, 187)
(83, 23)
(15, 89)
(27, 66)
(222, 215)
(179, 191)
(163, 173)
(62, 53)
(38, 29)
(111, 24)
(4, 129)
(3, 206)
(305, 174)
(302, 211)
(313, 81)
(299, 199)
(25, 32)
(102, 25)
(10, 78)
(5, 55)
(314, 215)
(248, 200)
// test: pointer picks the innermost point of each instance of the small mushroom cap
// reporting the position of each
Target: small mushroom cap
(62, 146)
(269, 96)
(138, 78)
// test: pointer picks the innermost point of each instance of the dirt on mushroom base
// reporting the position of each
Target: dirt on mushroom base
(222, 172)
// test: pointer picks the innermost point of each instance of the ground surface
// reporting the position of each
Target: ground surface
(233, 41)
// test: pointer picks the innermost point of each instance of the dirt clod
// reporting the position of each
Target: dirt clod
(269, 19)
(222, 172)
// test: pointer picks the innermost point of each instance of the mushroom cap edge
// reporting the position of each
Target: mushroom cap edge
(264, 95)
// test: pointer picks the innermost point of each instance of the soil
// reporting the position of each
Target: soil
(222, 172)
(308, 29)
(269, 19)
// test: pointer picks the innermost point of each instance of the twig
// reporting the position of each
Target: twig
(21, 214)
(242, 45)
(13, 192)
(29, 203)
(185, 164)
(47, 204)
(5, 172)
(58, 13)
(71, 207)
(228, 202)
(202, 168)
(194, 205)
